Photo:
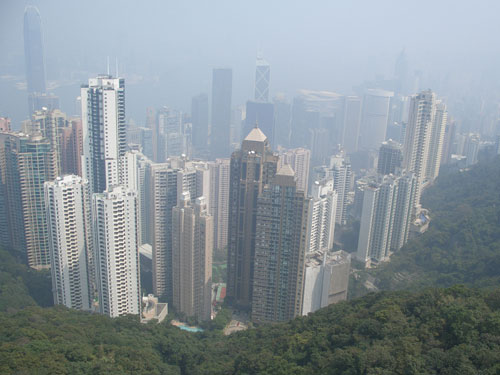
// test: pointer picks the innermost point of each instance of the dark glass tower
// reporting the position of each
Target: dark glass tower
(222, 82)
(33, 51)
(252, 167)
(199, 119)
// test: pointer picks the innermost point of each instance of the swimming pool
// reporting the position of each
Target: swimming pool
(189, 329)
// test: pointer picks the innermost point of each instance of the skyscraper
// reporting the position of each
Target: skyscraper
(28, 163)
(341, 173)
(436, 141)
(322, 210)
(280, 247)
(219, 200)
(282, 121)
(300, 160)
(167, 182)
(33, 51)
(352, 121)
(68, 209)
(418, 133)
(72, 148)
(192, 236)
(103, 131)
(388, 207)
(253, 166)
(222, 86)
(114, 216)
(326, 279)
(374, 119)
(262, 79)
(390, 157)
(50, 124)
(199, 119)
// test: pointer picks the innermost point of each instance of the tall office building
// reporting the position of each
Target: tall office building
(222, 86)
(114, 216)
(219, 200)
(103, 131)
(282, 121)
(388, 208)
(253, 166)
(313, 110)
(192, 232)
(262, 79)
(172, 137)
(28, 162)
(326, 279)
(199, 119)
(33, 56)
(322, 210)
(390, 157)
(280, 248)
(341, 173)
(300, 160)
(418, 132)
(166, 183)
(352, 121)
(68, 209)
(72, 148)
(51, 124)
(436, 141)
(374, 119)
(423, 146)
(262, 114)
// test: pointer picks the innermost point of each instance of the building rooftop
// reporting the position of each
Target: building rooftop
(286, 170)
(256, 135)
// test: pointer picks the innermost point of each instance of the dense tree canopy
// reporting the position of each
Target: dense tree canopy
(451, 331)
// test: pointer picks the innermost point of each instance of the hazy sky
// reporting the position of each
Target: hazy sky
(327, 44)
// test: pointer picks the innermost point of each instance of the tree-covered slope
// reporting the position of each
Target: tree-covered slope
(462, 245)
(451, 331)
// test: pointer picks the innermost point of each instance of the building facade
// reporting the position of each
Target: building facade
(251, 167)
(103, 131)
(280, 248)
(192, 238)
(114, 217)
(68, 209)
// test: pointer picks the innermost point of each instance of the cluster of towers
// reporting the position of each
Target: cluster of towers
(86, 196)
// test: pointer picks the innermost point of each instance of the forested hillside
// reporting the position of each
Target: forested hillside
(452, 331)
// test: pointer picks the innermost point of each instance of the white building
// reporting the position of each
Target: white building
(326, 279)
(114, 216)
(70, 241)
(103, 131)
(322, 210)
(219, 200)
(299, 159)
(424, 137)
(341, 173)
(388, 209)
(192, 245)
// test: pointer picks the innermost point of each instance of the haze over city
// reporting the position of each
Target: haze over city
(229, 187)
(166, 49)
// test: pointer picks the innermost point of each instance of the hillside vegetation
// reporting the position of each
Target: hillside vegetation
(451, 331)
(462, 245)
